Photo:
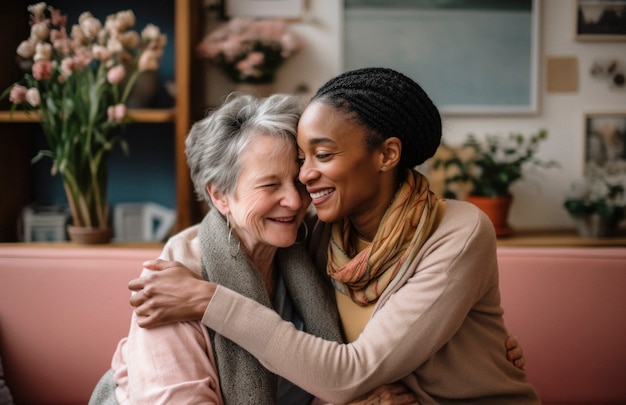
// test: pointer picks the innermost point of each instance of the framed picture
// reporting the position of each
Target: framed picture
(471, 57)
(600, 20)
(291, 9)
(605, 140)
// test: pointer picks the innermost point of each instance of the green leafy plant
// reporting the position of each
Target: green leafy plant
(599, 192)
(78, 82)
(491, 165)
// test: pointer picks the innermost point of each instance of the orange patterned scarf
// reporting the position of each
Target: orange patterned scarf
(405, 227)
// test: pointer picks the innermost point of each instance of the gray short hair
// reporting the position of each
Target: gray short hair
(215, 143)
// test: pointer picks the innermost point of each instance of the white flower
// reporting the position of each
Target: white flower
(37, 9)
(26, 49)
(33, 97)
(90, 25)
(43, 51)
(40, 31)
(151, 32)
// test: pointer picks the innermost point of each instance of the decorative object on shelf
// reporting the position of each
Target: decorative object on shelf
(77, 84)
(142, 222)
(250, 51)
(611, 70)
(44, 223)
(484, 171)
(597, 202)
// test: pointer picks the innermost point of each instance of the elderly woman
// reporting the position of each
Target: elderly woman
(242, 160)
(416, 278)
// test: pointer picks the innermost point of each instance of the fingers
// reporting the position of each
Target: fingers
(515, 353)
(511, 343)
(136, 284)
(159, 264)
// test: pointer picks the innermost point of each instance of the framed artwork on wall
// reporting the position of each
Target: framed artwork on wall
(263, 8)
(471, 57)
(605, 141)
(600, 20)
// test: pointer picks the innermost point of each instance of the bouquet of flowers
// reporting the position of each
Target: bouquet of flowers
(601, 191)
(78, 81)
(249, 51)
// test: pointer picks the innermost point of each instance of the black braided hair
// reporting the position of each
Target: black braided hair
(387, 103)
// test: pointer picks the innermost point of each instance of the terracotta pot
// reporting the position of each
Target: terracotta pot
(89, 235)
(497, 209)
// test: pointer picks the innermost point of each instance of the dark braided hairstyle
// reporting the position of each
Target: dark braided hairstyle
(387, 104)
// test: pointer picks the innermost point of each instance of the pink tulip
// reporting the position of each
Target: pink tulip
(42, 69)
(149, 60)
(116, 74)
(18, 94)
(67, 66)
(116, 112)
(33, 97)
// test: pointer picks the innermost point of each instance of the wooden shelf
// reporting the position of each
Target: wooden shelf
(559, 238)
(137, 115)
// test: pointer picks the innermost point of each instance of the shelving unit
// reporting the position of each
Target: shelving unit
(550, 238)
(138, 115)
(14, 125)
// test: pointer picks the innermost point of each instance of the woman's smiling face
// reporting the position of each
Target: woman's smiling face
(340, 173)
(269, 202)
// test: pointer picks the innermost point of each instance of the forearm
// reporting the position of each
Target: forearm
(338, 373)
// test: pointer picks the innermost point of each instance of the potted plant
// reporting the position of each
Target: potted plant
(597, 202)
(250, 51)
(489, 167)
(78, 82)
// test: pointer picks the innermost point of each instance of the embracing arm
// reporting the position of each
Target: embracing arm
(413, 324)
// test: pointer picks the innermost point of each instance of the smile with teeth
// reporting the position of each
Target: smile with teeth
(290, 219)
(320, 194)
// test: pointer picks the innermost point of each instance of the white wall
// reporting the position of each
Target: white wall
(538, 200)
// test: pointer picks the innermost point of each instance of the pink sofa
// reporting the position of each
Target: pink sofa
(567, 306)
(63, 309)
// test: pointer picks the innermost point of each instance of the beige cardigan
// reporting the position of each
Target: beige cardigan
(440, 328)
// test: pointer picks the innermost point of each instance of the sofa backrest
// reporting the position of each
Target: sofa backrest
(64, 309)
(62, 312)
(567, 306)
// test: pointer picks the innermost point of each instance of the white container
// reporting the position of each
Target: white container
(44, 223)
(136, 222)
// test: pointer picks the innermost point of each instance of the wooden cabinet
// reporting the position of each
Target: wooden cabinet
(14, 153)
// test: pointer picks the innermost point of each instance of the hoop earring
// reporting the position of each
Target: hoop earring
(233, 249)
(306, 232)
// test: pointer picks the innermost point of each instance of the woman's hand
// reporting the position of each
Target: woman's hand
(514, 352)
(172, 294)
(388, 394)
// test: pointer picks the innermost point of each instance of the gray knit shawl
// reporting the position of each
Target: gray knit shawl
(243, 379)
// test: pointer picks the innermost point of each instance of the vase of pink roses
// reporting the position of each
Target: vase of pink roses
(78, 79)
(250, 51)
